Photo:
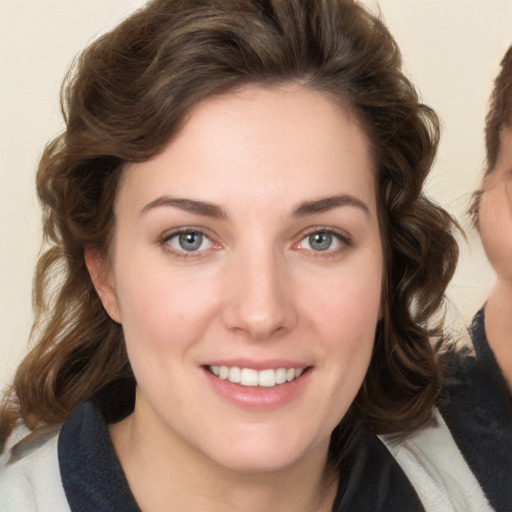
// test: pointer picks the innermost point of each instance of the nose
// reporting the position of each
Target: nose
(260, 299)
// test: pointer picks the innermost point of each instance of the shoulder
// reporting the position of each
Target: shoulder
(31, 482)
(437, 470)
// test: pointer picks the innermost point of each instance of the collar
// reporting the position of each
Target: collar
(93, 479)
(91, 473)
(477, 407)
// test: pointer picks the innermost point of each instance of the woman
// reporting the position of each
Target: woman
(478, 406)
(240, 270)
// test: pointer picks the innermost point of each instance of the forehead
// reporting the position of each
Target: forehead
(257, 143)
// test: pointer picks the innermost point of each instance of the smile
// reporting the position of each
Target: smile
(250, 377)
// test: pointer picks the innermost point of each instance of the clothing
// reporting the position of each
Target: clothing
(77, 470)
(477, 407)
(33, 483)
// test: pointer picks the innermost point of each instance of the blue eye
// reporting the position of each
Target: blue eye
(189, 241)
(324, 241)
(320, 241)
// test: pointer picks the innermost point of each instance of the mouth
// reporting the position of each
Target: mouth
(249, 377)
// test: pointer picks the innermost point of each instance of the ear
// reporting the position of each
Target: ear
(102, 280)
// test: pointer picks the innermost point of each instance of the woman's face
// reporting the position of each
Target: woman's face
(246, 273)
(495, 210)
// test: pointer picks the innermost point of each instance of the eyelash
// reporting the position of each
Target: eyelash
(165, 240)
(342, 237)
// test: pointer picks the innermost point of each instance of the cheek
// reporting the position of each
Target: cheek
(347, 320)
(161, 308)
(495, 227)
(348, 309)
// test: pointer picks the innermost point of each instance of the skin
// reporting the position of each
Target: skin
(256, 289)
(495, 228)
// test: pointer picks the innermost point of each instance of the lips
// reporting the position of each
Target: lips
(258, 386)
(250, 377)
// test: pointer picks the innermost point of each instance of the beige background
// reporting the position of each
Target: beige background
(451, 49)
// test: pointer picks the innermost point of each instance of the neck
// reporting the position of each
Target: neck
(168, 477)
(498, 326)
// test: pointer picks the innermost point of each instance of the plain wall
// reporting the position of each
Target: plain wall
(451, 49)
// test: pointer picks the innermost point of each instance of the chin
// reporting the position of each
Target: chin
(247, 461)
(266, 453)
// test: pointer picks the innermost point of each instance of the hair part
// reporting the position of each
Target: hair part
(126, 97)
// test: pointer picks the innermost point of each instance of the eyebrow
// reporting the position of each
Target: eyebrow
(189, 205)
(207, 209)
(325, 204)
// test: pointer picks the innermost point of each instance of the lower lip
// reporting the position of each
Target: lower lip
(258, 398)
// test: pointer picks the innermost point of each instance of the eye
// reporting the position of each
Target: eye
(319, 241)
(188, 241)
(324, 241)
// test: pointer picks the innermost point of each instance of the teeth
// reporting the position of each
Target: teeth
(250, 377)
(280, 375)
(267, 378)
(234, 375)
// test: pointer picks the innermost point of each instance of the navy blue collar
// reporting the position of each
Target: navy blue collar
(477, 407)
(94, 481)
(90, 471)
(373, 481)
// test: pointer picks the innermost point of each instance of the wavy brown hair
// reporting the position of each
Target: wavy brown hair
(127, 96)
(498, 115)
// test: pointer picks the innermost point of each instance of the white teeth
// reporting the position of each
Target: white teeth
(250, 377)
(267, 378)
(280, 375)
(223, 372)
(234, 374)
